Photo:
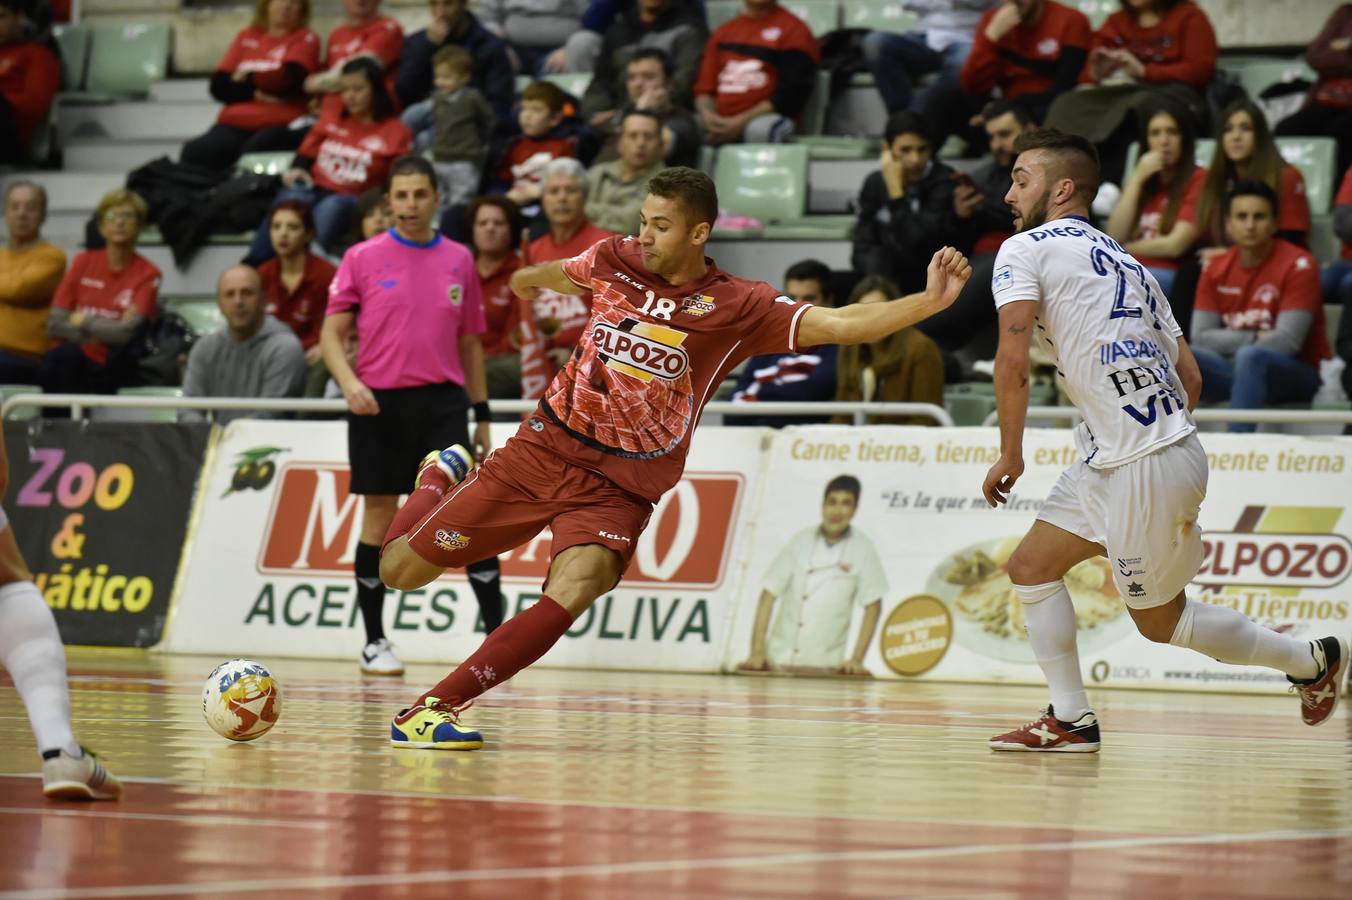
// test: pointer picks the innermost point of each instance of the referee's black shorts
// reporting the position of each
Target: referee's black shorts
(384, 450)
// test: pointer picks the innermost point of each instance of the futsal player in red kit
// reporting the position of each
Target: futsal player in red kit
(611, 433)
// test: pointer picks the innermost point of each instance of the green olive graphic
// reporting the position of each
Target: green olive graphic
(243, 477)
(262, 475)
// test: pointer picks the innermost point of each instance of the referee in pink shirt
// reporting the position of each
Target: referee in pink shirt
(413, 298)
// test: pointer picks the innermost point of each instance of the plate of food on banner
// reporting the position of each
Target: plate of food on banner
(988, 615)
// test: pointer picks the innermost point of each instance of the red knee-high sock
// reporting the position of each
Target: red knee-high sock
(419, 504)
(515, 644)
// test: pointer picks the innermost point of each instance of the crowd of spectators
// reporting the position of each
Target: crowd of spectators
(541, 174)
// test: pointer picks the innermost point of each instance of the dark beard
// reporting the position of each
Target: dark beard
(1038, 217)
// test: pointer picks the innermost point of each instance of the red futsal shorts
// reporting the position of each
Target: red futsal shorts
(519, 490)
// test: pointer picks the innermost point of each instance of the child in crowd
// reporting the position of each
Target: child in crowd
(525, 157)
(455, 124)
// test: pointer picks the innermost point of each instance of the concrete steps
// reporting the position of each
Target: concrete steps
(149, 120)
(119, 155)
(182, 89)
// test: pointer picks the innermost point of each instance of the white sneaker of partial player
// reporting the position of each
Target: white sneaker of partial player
(377, 658)
(83, 777)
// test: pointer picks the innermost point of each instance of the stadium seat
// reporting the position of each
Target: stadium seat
(821, 16)
(968, 407)
(720, 11)
(265, 163)
(74, 43)
(125, 59)
(201, 313)
(1096, 10)
(1256, 75)
(891, 17)
(1316, 157)
(769, 182)
(836, 146)
(1324, 243)
(139, 415)
(574, 83)
(21, 413)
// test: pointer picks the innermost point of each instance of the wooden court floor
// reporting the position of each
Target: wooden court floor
(625, 785)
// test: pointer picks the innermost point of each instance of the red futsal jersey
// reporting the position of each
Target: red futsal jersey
(381, 37)
(96, 291)
(263, 54)
(1251, 299)
(629, 399)
(352, 157)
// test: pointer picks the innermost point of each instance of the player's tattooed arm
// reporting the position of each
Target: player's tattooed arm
(1011, 396)
(861, 323)
(527, 280)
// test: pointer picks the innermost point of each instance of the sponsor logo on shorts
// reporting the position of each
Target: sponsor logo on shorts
(612, 536)
(450, 540)
(641, 349)
(698, 306)
(1129, 567)
(535, 424)
(1135, 589)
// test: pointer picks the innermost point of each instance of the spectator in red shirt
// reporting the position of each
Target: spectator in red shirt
(758, 71)
(1029, 50)
(1338, 275)
(342, 157)
(938, 42)
(1156, 217)
(1258, 329)
(562, 318)
(364, 32)
(30, 76)
(494, 223)
(1150, 50)
(295, 284)
(261, 81)
(1328, 110)
(104, 298)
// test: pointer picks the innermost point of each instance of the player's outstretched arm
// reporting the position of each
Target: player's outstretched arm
(1189, 373)
(527, 280)
(1011, 397)
(948, 272)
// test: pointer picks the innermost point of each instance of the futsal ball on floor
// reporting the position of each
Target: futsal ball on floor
(241, 700)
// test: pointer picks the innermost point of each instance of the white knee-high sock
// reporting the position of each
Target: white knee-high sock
(31, 650)
(1230, 636)
(1050, 617)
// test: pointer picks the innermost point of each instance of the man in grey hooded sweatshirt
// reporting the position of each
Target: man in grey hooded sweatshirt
(253, 356)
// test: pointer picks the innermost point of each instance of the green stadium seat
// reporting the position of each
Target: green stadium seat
(201, 313)
(1256, 75)
(265, 163)
(574, 83)
(73, 40)
(821, 16)
(125, 59)
(968, 409)
(769, 182)
(1317, 159)
(836, 146)
(140, 415)
(720, 11)
(1096, 10)
(522, 81)
(1324, 243)
(22, 413)
(889, 16)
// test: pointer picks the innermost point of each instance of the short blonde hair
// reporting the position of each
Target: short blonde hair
(123, 197)
(260, 17)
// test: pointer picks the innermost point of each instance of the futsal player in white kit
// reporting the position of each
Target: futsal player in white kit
(32, 652)
(1137, 490)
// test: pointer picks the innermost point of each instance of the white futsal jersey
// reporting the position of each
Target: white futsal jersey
(1108, 326)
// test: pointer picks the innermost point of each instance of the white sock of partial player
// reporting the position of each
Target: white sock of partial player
(1228, 635)
(1050, 618)
(32, 653)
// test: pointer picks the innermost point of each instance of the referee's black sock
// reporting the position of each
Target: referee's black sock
(485, 577)
(370, 589)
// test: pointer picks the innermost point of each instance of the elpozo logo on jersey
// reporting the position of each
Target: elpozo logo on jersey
(642, 350)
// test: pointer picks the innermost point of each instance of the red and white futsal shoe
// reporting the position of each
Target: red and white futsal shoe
(1051, 735)
(83, 777)
(1319, 695)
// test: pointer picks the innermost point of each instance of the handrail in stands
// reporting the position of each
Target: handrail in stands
(78, 403)
(1260, 416)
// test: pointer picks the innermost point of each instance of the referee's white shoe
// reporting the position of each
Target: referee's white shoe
(377, 658)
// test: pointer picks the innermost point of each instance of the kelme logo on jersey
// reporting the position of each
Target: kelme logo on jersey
(641, 349)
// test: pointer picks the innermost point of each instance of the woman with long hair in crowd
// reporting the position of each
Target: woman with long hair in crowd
(495, 224)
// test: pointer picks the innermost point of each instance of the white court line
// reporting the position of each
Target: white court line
(440, 876)
(165, 817)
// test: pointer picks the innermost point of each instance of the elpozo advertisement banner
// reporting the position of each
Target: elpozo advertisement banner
(916, 587)
(99, 510)
(269, 562)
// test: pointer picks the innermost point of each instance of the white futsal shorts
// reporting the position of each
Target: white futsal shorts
(1144, 513)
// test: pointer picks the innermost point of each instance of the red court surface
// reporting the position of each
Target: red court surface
(629, 785)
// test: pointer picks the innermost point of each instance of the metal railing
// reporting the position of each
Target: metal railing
(78, 404)
(1259, 416)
